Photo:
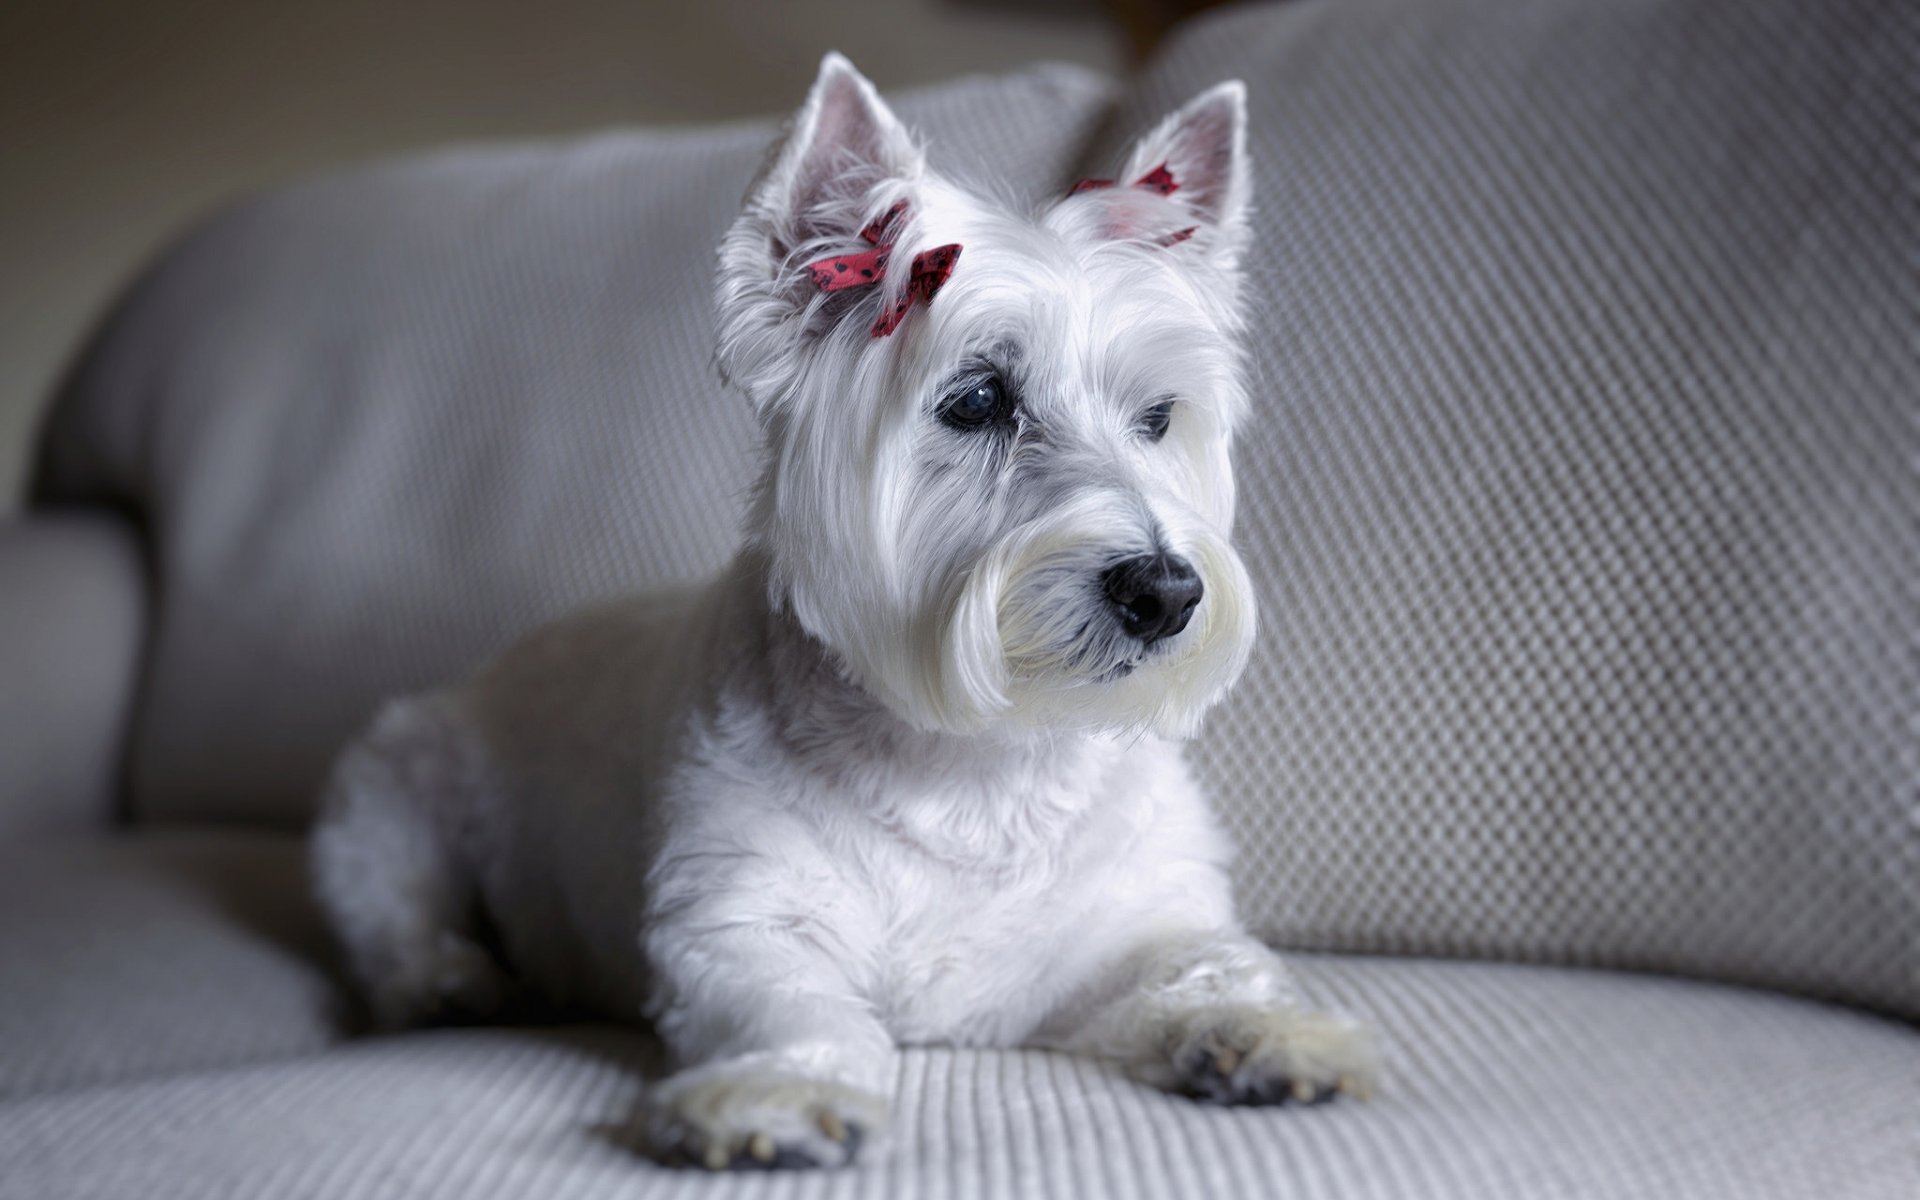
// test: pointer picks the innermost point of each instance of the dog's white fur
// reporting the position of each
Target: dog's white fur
(899, 776)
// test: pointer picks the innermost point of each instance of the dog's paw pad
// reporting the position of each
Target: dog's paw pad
(1272, 1056)
(762, 1121)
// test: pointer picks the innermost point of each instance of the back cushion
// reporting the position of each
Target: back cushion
(1584, 490)
(379, 425)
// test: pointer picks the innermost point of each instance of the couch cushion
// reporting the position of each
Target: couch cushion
(380, 424)
(73, 610)
(143, 954)
(1583, 496)
(1505, 1082)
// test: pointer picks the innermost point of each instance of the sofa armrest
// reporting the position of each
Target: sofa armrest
(73, 616)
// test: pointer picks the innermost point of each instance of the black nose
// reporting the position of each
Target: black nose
(1153, 595)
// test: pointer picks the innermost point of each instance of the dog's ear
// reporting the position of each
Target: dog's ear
(844, 144)
(845, 161)
(1197, 158)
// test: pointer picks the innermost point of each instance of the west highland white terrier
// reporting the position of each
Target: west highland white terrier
(910, 771)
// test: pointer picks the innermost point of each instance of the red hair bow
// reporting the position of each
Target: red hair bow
(1159, 181)
(930, 269)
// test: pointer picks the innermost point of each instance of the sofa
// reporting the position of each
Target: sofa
(1580, 753)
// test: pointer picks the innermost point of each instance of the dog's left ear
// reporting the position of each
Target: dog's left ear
(1202, 147)
(846, 160)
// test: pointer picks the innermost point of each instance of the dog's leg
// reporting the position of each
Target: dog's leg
(787, 1067)
(384, 873)
(1213, 1015)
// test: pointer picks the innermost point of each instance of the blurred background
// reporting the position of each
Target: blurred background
(121, 120)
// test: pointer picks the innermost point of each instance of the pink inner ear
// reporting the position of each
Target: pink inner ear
(1159, 181)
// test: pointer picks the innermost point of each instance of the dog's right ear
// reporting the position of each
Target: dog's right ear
(845, 161)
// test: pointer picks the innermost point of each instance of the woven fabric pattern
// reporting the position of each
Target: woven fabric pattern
(380, 425)
(1509, 1081)
(160, 952)
(1584, 496)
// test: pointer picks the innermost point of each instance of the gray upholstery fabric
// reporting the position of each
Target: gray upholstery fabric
(150, 953)
(1583, 502)
(72, 617)
(1585, 497)
(1507, 1081)
(383, 423)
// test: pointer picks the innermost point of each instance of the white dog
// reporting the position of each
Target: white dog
(909, 772)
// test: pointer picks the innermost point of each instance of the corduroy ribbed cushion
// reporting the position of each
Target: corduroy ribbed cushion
(152, 953)
(1522, 1082)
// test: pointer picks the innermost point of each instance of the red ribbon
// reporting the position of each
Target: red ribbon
(1159, 181)
(930, 269)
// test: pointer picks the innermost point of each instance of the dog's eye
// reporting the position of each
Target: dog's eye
(1153, 422)
(977, 404)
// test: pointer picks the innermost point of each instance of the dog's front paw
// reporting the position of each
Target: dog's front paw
(755, 1119)
(1249, 1055)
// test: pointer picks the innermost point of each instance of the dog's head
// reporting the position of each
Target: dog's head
(997, 483)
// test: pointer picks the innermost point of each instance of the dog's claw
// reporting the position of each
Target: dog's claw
(1270, 1056)
(754, 1122)
(833, 1126)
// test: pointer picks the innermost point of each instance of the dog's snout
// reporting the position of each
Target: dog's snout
(1153, 596)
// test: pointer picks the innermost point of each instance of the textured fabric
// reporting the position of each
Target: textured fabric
(72, 614)
(381, 424)
(1505, 1082)
(149, 953)
(1584, 496)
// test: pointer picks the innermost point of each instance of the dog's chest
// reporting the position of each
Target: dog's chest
(972, 965)
(977, 947)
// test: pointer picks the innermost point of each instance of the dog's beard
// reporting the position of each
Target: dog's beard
(1033, 642)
